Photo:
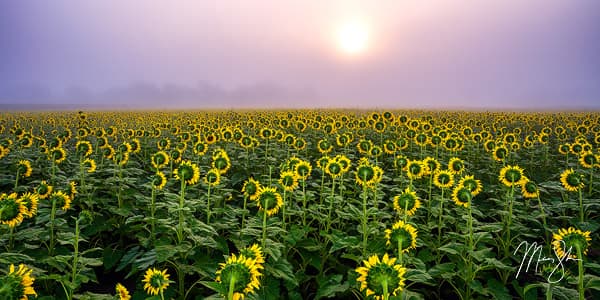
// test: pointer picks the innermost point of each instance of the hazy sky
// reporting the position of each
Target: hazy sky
(435, 54)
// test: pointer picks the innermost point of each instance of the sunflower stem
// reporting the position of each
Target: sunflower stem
(283, 210)
(231, 288)
(400, 241)
(384, 284)
(152, 211)
(591, 181)
(264, 225)
(549, 291)
(17, 179)
(581, 214)
(303, 203)
(330, 205)
(244, 214)
(364, 217)
(208, 206)
(52, 216)
(580, 277)
(440, 219)
(180, 211)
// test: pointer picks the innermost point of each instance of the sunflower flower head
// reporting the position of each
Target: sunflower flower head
(512, 176)
(462, 196)
(240, 273)
(403, 235)
(415, 169)
(303, 169)
(212, 177)
(288, 180)
(155, 281)
(122, 292)
(31, 203)
(407, 201)
(62, 200)
(572, 181)
(570, 240)
(17, 284)
(160, 159)
(90, 165)
(188, 172)
(456, 165)
(44, 190)
(221, 161)
(469, 182)
(12, 210)
(529, 189)
(269, 200)
(159, 180)
(251, 188)
(443, 179)
(376, 273)
(24, 168)
(254, 252)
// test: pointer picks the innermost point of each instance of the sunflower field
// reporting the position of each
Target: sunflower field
(299, 204)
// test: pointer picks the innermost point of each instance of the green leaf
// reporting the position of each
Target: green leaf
(329, 286)
(497, 289)
(591, 282)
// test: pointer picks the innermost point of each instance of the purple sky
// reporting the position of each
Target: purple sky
(538, 54)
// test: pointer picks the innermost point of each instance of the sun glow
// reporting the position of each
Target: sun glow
(353, 38)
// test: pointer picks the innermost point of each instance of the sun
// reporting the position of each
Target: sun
(353, 37)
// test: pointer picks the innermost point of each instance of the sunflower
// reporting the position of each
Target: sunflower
(155, 281)
(269, 200)
(221, 161)
(376, 273)
(175, 155)
(572, 181)
(12, 210)
(62, 200)
(443, 179)
(212, 177)
(251, 188)
(375, 151)
(240, 273)
(564, 149)
(334, 168)
(403, 235)
(365, 173)
(160, 159)
(121, 158)
(407, 200)
(24, 168)
(254, 252)
(31, 203)
(462, 196)
(90, 164)
(511, 176)
(432, 165)
(187, 171)
(529, 189)
(108, 152)
(474, 185)
(456, 165)
(303, 169)
(44, 190)
(588, 160)
(571, 239)
(159, 180)
(415, 169)
(400, 162)
(389, 147)
(324, 146)
(500, 153)
(344, 161)
(288, 180)
(323, 161)
(122, 292)
(17, 284)
(58, 154)
(84, 148)
(163, 144)
(200, 148)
